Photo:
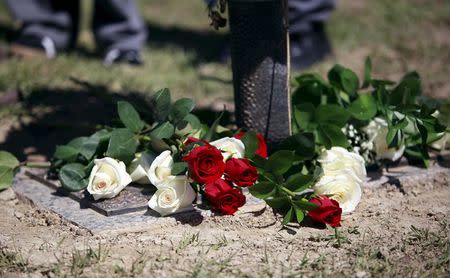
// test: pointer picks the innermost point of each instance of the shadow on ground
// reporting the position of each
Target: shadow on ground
(55, 116)
(206, 45)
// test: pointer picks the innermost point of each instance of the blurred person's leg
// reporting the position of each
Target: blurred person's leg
(119, 31)
(308, 39)
(48, 26)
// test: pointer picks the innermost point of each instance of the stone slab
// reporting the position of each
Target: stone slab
(131, 199)
(45, 194)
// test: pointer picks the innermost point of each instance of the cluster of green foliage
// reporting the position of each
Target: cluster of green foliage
(321, 110)
(286, 176)
(73, 162)
(324, 108)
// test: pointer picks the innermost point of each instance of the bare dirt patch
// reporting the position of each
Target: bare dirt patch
(390, 234)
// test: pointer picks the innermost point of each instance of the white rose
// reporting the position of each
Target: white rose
(230, 147)
(176, 195)
(442, 143)
(161, 169)
(377, 131)
(139, 168)
(343, 188)
(108, 177)
(337, 159)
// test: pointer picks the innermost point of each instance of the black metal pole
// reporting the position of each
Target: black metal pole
(259, 51)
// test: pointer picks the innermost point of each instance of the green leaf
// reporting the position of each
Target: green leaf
(129, 116)
(407, 90)
(89, 146)
(299, 215)
(304, 204)
(161, 102)
(367, 72)
(364, 107)
(73, 177)
(193, 121)
(423, 132)
(6, 177)
(8, 165)
(311, 88)
(393, 137)
(103, 136)
(251, 144)
(181, 108)
(380, 83)
(209, 135)
(299, 182)
(278, 202)
(259, 161)
(178, 167)
(280, 162)
(304, 115)
(289, 216)
(400, 124)
(76, 143)
(8, 160)
(331, 135)
(165, 130)
(332, 114)
(303, 143)
(263, 190)
(158, 145)
(66, 153)
(122, 145)
(344, 79)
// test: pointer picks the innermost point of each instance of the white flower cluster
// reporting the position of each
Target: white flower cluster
(174, 193)
(343, 174)
(377, 131)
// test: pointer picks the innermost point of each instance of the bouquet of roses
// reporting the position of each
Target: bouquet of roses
(186, 161)
(317, 172)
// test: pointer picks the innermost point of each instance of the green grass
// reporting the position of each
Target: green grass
(399, 35)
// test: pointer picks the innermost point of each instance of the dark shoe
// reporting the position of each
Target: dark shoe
(130, 57)
(32, 47)
(309, 48)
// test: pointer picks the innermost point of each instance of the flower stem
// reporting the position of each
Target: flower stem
(289, 192)
(338, 237)
(31, 164)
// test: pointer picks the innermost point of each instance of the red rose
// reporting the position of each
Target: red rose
(328, 211)
(262, 147)
(223, 197)
(240, 172)
(205, 164)
(191, 140)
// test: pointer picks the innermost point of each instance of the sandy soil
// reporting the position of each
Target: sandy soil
(393, 232)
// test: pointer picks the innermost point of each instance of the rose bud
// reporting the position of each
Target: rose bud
(223, 197)
(205, 164)
(262, 146)
(108, 177)
(240, 172)
(328, 211)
